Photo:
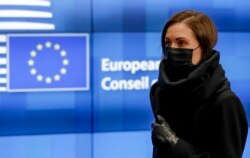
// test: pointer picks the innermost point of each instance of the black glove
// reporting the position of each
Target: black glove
(162, 135)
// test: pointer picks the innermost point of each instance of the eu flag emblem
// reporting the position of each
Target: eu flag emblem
(48, 62)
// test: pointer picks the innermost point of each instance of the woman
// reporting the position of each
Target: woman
(197, 114)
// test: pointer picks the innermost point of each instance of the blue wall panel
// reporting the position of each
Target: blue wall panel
(125, 32)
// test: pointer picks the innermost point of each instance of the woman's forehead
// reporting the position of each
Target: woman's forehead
(179, 31)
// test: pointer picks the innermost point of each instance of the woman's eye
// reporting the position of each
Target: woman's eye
(182, 43)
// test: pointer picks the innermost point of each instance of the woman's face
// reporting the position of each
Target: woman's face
(179, 35)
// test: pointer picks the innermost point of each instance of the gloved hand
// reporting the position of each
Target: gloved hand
(162, 135)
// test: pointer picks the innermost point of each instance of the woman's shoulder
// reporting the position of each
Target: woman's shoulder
(225, 96)
(155, 91)
(154, 88)
(228, 101)
(154, 99)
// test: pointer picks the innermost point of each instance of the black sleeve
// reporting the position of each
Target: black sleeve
(182, 150)
(185, 150)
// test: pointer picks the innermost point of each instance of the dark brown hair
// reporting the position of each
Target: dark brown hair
(201, 25)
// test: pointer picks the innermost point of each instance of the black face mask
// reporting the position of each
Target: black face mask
(178, 62)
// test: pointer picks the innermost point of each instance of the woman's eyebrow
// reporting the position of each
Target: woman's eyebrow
(177, 39)
(181, 38)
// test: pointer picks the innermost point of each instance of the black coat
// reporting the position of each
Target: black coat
(207, 117)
